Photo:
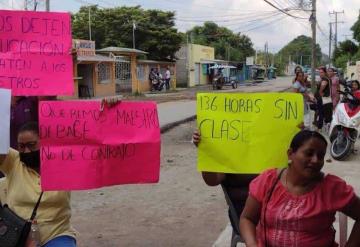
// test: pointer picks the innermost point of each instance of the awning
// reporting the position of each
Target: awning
(121, 51)
(212, 61)
(217, 66)
(96, 58)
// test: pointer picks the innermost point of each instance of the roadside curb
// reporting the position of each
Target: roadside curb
(172, 125)
(284, 90)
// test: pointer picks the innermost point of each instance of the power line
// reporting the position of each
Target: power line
(243, 16)
(228, 15)
(293, 16)
(207, 6)
(320, 29)
(264, 25)
(336, 23)
(228, 20)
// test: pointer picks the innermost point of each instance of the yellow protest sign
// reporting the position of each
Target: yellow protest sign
(246, 132)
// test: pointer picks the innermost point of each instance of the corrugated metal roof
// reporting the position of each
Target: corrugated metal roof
(121, 50)
(155, 62)
(211, 61)
(96, 58)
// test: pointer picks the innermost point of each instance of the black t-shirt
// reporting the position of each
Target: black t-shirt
(326, 90)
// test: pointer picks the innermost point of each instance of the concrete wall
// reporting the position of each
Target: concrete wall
(197, 53)
(182, 72)
(189, 62)
(353, 69)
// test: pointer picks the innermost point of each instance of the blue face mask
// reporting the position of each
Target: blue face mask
(31, 159)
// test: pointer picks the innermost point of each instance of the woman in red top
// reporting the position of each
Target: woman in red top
(296, 206)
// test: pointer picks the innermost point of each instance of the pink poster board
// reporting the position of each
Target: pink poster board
(35, 53)
(84, 148)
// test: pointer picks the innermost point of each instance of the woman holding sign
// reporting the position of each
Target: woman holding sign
(236, 186)
(296, 206)
(51, 226)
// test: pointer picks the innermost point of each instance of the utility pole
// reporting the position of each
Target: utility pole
(256, 52)
(313, 45)
(266, 58)
(47, 5)
(89, 8)
(336, 23)
(330, 39)
(134, 28)
(25, 5)
(228, 52)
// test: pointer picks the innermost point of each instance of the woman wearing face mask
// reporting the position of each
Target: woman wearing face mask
(22, 171)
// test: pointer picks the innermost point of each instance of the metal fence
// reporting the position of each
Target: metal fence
(123, 74)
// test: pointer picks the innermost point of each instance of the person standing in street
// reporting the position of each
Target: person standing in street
(335, 87)
(324, 100)
(299, 86)
(297, 70)
(167, 78)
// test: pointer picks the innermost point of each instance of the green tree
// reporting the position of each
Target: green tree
(347, 47)
(155, 30)
(299, 51)
(356, 30)
(228, 45)
(341, 61)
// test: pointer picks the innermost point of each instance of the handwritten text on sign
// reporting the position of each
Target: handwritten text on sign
(84, 148)
(35, 54)
(247, 132)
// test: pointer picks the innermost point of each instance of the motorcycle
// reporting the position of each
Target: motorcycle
(218, 82)
(158, 84)
(345, 125)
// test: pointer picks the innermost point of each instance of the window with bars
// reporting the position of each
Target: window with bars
(104, 73)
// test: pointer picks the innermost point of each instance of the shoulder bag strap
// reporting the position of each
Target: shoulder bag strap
(266, 201)
(33, 215)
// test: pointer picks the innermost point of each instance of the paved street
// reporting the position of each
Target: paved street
(174, 111)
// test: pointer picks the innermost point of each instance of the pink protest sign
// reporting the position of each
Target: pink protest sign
(84, 148)
(35, 54)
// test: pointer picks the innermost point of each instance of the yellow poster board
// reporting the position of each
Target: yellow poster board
(246, 132)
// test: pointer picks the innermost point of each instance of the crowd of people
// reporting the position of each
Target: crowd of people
(293, 206)
(158, 81)
(296, 205)
(324, 101)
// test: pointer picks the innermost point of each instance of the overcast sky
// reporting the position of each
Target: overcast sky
(254, 18)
